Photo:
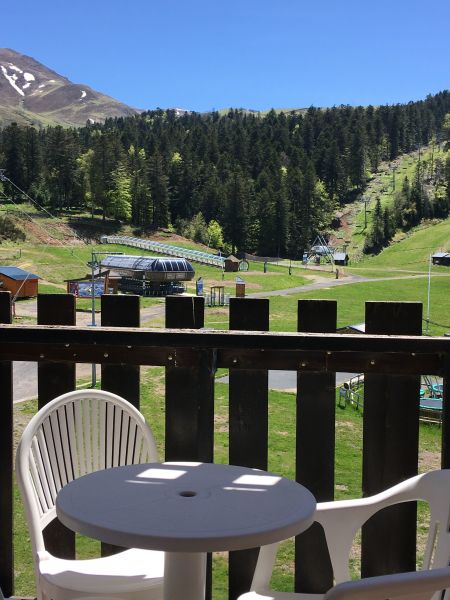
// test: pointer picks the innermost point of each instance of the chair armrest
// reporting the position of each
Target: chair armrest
(399, 585)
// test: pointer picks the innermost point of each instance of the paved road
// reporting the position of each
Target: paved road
(286, 381)
(25, 373)
(323, 283)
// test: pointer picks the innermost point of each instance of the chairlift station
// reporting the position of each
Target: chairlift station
(149, 275)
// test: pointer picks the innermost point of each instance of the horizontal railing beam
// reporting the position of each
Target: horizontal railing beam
(235, 349)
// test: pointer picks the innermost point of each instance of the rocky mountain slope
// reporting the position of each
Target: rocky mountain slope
(33, 94)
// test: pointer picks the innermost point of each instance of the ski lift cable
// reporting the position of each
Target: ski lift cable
(30, 217)
(46, 247)
(59, 242)
(3, 177)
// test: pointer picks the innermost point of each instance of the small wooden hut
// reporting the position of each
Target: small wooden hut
(231, 264)
(21, 283)
(340, 258)
(441, 258)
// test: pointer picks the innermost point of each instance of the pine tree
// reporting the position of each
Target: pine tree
(159, 192)
(141, 198)
(13, 149)
(235, 226)
(357, 160)
(375, 241)
(120, 194)
(84, 168)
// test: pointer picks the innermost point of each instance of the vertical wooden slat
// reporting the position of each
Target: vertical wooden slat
(123, 380)
(445, 451)
(189, 392)
(6, 462)
(190, 396)
(315, 443)
(248, 417)
(185, 313)
(390, 445)
(55, 379)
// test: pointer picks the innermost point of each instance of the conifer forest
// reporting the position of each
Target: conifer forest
(271, 182)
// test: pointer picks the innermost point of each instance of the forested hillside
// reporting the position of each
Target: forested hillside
(270, 182)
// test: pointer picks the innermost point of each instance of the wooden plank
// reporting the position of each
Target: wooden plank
(248, 422)
(67, 340)
(390, 445)
(120, 378)
(445, 452)
(189, 390)
(185, 313)
(248, 391)
(315, 442)
(55, 379)
(189, 433)
(6, 462)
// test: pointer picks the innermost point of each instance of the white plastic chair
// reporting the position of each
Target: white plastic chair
(406, 586)
(75, 434)
(343, 518)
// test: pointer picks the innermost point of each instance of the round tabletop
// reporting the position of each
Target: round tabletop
(185, 507)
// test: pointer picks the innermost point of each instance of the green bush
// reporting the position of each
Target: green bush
(10, 231)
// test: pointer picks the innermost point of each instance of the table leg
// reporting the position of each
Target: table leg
(184, 575)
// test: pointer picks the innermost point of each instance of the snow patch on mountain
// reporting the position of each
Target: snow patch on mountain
(83, 94)
(14, 68)
(29, 77)
(12, 80)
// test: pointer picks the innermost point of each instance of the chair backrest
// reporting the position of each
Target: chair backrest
(420, 585)
(75, 434)
(342, 519)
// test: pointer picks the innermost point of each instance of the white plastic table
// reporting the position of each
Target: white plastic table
(186, 510)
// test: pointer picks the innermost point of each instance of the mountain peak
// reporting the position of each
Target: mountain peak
(33, 94)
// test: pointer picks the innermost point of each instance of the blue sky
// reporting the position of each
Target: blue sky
(258, 54)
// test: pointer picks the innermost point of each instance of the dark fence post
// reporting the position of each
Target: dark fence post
(189, 391)
(248, 416)
(390, 445)
(445, 450)
(190, 397)
(316, 401)
(123, 380)
(55, 379)
(6, 461)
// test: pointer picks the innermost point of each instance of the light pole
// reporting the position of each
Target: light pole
(428, 295)
(95, 264)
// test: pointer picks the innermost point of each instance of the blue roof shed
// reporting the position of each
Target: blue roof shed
(17, 274)
(21, 283)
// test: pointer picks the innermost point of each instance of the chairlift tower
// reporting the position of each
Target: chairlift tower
(320, 248)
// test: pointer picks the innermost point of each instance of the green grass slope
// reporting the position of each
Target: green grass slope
(410, 251)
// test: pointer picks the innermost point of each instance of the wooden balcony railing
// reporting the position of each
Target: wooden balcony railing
(392, 355)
